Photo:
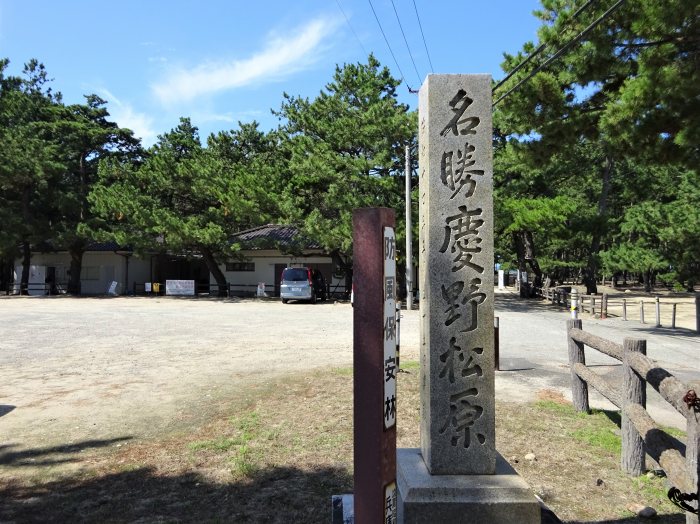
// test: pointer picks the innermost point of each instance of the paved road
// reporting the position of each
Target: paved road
(534, 351)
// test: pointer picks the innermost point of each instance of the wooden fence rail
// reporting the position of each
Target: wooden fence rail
(600, 305)
(640, 434)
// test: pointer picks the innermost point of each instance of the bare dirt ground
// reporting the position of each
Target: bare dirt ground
(73, 370)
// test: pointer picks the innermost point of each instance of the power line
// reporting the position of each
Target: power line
(347, 20)
(406, 41)
(389, 46)
(423, 36)
(562, 50)
(539, 49)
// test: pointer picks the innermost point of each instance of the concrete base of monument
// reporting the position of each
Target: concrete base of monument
(477, 499)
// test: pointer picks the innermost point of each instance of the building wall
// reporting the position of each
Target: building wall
(99, 269)
(266, 263)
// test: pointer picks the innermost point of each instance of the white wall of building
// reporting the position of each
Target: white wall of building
(265, 264)
(98, 271)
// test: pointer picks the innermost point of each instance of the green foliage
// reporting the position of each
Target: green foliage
(611, 126)
(185, 197)
(344, 150)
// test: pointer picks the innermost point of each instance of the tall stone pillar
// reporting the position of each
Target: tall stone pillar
(456, 275)
(457, 468)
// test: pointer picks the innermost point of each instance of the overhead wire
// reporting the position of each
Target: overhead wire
(562, 50)
(388, 45)
(539, 49)
(423, 36)
(406, 41)
(347, 20)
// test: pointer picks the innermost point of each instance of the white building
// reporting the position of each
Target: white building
(265, 252)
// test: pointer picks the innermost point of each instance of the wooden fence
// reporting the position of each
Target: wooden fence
(628, 308)
(640, 433)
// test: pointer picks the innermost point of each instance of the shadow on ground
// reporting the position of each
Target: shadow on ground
(13, 457)
(513, 303)
(5, 409)
(278, 494)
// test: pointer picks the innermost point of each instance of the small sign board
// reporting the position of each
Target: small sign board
(390, 503)
(147, 287)
(390, 328)
(179, 287)
(112, 288)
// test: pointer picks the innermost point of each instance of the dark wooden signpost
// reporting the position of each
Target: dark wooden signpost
(375, 366)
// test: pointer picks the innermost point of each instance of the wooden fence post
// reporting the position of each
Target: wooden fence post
(641, 311)
(579, 388)
(673, 316)
(658, 312)
(624, 309)
(496, 343)
(593, 306)
(692, 454)
(633, 392)
(604, 306)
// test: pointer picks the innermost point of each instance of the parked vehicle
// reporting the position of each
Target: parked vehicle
(302, 283)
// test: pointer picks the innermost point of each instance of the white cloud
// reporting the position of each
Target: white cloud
(279, 58)
(231, 118)
(126, 116)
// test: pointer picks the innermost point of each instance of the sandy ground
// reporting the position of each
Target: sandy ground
(75, 370)
(80, 369)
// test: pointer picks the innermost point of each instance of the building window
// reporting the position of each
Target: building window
(90, 273)
(240, 266)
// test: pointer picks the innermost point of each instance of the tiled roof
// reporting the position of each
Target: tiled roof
(275, 236)
(92, 245)
(105, 246)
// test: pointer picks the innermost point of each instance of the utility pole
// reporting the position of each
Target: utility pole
(409, 254)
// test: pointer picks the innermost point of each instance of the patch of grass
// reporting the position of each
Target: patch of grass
(675, 432)
(653, 488)
(248, 424)
(220, 444)
(411, 366)
(566, 410)
(245, 462)
(599, 437)
(343, 372)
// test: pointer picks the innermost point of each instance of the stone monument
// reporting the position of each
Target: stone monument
(457, 468)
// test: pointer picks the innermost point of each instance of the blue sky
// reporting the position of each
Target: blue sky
(221, 62)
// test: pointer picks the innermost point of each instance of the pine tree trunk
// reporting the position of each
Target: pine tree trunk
(26, 261)
(215, 270)
(529, 244)
(590, 271)
(76, 266)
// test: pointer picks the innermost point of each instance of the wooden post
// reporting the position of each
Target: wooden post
(697, 313)
(658, 312)
(579, 388)
(641, 311)
(673, 316)
(574, 304)
(374, 317)
(593, 306)
(604, 306)
(495, 343)
(624, 309)
(692, 454)
(633, 392)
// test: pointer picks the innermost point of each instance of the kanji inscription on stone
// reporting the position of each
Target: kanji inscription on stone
(455, 280)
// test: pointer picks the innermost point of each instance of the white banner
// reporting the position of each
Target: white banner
(390, 328)
(179, 287)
